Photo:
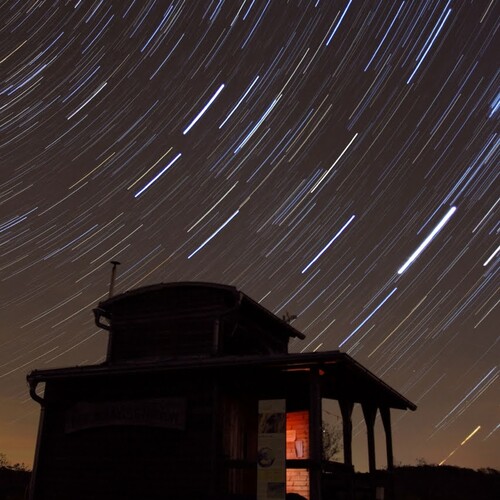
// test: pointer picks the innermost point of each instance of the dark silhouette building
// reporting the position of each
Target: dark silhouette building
(199, 399)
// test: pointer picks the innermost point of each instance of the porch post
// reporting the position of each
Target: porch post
(346, 408)
(370, 412)
(315, 434)
(385, 413)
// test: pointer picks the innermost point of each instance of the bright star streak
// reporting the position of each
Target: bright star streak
(466, 397)
(157, 176)
(321, 179)
(492, 256)
(486, 216)
(13, 52)
(202, 112)
(258, 124)
(492, 432)
(150, 168)
(239, 102)
(385, 36)
(328, 245)
(215, 233)
(427, 240)
(213, 206)
(338, 23)
(367, 318)
(87, 101)
(429, 46)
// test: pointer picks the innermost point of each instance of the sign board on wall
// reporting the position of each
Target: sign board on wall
(169, 413)
(271, 459)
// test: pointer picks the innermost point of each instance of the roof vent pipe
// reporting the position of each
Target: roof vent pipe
(114, 263)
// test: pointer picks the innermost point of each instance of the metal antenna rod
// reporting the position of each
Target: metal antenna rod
(113, 277)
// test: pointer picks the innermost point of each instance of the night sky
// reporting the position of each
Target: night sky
(334, 160)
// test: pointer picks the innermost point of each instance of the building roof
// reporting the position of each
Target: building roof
(228, 297)
(153, 318)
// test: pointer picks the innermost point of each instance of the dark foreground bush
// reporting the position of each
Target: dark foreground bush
(14, 483)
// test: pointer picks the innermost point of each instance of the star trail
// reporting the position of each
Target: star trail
(336, 160)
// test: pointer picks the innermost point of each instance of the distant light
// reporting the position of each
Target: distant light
(470, 435)
(461, 444)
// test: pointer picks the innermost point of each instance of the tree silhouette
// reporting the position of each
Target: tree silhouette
(332, 441)
(6, 464)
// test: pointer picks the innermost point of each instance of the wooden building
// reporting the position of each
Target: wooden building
(199, 399)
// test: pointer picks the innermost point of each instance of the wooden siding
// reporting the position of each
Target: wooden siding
(125, 462)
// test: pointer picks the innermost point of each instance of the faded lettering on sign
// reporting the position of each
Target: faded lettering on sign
(169, 413)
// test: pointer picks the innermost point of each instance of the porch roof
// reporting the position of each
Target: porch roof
(344, 378)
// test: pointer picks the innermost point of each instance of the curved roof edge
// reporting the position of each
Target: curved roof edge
(229, 289)
(161, 286)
